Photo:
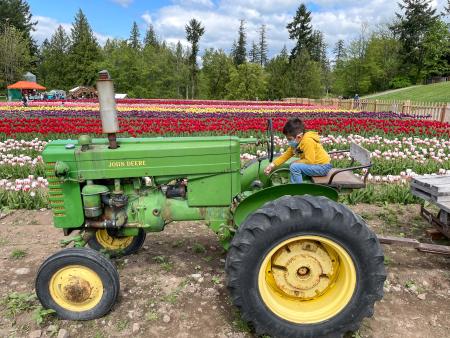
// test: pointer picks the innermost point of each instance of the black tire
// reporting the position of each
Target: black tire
(292, 216)
(85, 257)
(136, 243)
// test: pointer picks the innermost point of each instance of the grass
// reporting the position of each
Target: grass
(164, 262)
(122, 324)
(18, 254)
(151, 315)
(198, 248)
(17, 303)
(439, 92)
(172, 297)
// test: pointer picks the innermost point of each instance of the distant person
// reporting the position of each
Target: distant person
(24, 101)
(356, 99)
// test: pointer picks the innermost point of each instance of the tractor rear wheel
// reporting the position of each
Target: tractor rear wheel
(304, 266)
(78, 283)
(106, 240)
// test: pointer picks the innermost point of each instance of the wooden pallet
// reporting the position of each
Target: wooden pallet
(435, 189)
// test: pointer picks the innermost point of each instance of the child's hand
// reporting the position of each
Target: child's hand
(269, 168)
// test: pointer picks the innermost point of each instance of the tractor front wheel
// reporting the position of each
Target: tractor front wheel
(108, 241)
(304, 266)
(78, 283)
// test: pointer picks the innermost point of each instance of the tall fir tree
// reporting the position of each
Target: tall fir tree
(150, 37)
(239, 51)
(54, 66)
(300, 30)
(339, 51)
(254, 54)
(318, 47)
(84, 52)
(135, 35)
(413, 22)
(17, 13)
(194, 31)
(263, 47)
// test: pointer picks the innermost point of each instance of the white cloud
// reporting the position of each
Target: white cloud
(337, 19)
(196, 3)
(47, 26)
(123, 3)
(147, 18)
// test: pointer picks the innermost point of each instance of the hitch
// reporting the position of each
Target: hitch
(79, 241)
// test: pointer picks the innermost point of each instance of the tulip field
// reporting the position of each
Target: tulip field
(402, 146)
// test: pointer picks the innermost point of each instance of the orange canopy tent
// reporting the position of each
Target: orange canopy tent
(26, 85)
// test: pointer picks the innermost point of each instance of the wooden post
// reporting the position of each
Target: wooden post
(406, 107)
(375, 106)
(445, 113)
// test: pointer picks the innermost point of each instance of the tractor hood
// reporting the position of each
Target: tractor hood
(137, 157)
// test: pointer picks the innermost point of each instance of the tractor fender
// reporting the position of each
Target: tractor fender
(259, 198)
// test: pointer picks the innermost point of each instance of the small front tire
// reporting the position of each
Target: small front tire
(78, 283)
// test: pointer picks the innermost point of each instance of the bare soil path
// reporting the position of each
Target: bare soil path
(175, 286)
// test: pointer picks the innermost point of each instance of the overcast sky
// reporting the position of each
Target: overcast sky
(337, 19)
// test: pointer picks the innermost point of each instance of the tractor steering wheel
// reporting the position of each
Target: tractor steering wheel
(270, 143)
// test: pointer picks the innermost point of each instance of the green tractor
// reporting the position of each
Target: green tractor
(299, 264)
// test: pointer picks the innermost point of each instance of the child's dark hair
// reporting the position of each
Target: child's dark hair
(293, 127)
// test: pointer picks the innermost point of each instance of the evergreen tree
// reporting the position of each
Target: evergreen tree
(84, 53)
(54, 66)
(194, 31)
(150, 37)
(300, 30)
(135, 35)
(254, 55)
(339, 51)
(239, 50)
(412, 25)
(318, 47)
(263, 46)
(446, 9)
(14, 55)
(17, 13)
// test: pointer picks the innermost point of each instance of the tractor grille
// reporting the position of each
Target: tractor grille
(56, 196)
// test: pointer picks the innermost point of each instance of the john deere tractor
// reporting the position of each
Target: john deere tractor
(299, 264)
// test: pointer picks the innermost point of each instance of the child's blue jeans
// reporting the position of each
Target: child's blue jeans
(299, 169)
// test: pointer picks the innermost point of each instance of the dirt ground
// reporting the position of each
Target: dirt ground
(175, 286)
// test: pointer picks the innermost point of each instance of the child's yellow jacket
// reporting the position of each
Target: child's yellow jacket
(310, 151)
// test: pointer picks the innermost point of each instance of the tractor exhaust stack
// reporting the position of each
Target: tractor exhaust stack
(108, 111)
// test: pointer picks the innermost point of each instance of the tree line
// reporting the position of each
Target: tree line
(414, 47)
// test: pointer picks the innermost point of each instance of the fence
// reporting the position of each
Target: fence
(439, 111)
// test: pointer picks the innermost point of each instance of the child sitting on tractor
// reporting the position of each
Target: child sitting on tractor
(314, 160)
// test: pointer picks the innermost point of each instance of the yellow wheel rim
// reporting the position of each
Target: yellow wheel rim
(112, 243)
(76, 288)
(307, 279)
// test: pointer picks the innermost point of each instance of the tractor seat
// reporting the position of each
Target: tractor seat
(342, 180)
